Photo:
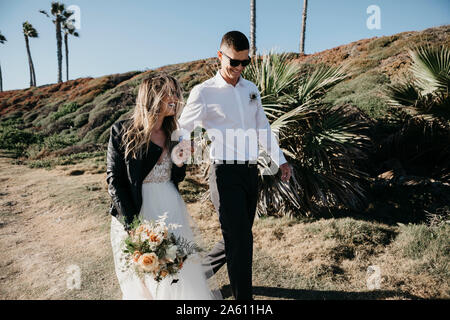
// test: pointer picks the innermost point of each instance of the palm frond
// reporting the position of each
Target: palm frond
(323, 78)
(29, 31)
(278, 198)
(2, 38)
(69, 28)
(402, 94)
(282, 123)
(420, 144)
(324, 150)
(274, 74)
(57, 9)
(431, 68)
(427, 95)
(45, 13)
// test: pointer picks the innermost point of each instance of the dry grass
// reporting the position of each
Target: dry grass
(51, 219)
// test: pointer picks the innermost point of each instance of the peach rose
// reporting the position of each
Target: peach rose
(141, 228)
(148, 262)
(155, 238)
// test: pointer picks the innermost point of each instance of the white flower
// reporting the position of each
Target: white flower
(144, 236)
(171, 253)
(162, 218)
(174, 226)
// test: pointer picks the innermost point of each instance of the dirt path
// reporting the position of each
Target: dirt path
(53, 224)
(43, 232)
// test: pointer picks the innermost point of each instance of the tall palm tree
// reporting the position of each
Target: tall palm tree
(302, 35)
(69, 29)
(252, 28)
(2, 40)
(30, 32)
(60, 14)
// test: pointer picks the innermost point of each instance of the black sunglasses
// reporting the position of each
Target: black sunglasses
(235, 63)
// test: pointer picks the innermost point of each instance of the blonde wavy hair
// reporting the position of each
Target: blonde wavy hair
(136, 137)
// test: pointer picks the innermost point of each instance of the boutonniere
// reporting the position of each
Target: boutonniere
(253, 96)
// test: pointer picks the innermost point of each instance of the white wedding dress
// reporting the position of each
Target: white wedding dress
(159, 195)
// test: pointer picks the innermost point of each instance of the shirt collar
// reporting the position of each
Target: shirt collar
(222, 83)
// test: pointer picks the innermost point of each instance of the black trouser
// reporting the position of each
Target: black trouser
(234, 193)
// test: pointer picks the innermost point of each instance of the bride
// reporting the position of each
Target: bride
(143, 180)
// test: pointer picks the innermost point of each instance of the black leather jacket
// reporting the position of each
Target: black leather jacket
(125, 176)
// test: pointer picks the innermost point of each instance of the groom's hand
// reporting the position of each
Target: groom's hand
(285, 172)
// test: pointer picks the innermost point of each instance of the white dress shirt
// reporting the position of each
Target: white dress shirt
(234, 120)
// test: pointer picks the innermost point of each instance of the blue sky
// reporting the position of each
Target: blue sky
(120, 36)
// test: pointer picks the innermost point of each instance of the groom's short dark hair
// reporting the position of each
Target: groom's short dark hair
(235, 40)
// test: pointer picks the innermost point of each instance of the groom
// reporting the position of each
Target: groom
(229, 107)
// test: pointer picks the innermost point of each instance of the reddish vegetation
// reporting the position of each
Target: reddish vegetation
(337, 55)
(386, 54)
(80, 90)
(34, 98)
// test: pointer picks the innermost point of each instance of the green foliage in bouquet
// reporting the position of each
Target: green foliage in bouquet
(151, 248)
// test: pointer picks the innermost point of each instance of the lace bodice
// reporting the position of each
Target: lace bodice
(160, 172)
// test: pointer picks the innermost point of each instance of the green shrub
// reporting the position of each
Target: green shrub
(45, 163)
(382, 42)
(56, 141)
(11, 122)
(65, 109)
(11, 138)
(357, 232)
(31, 116)
(362, 91)
(77, 157)
(81, 120)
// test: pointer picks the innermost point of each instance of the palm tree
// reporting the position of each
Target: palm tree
(2, 40)
(428, 93)
(30, 32)
(69, 29)
(302, 35)
(252, 28)
(60, 13)
(422, 105)
(322, 142)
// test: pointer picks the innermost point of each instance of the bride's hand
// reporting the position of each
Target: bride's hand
(182, 152)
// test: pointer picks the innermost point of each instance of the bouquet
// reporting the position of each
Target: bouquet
(152, 249)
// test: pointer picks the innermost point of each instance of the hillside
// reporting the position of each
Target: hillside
(77, 114)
